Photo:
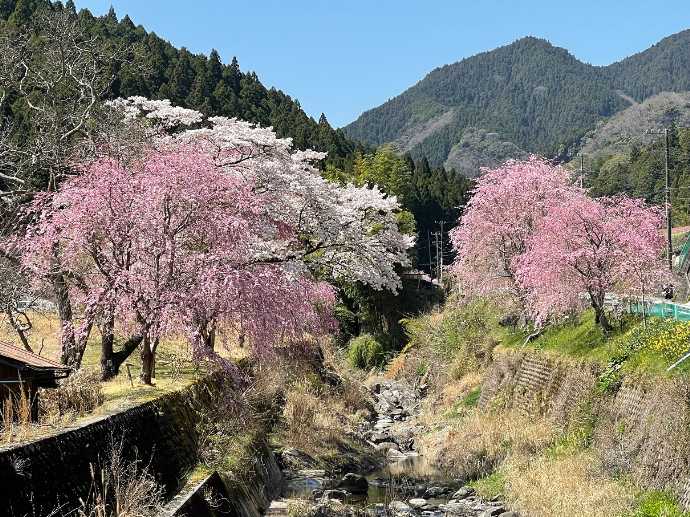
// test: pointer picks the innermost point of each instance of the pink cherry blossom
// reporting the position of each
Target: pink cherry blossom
(506, 207)
(585, 248)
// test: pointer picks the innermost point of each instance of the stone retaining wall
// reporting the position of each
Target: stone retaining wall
(643, 429)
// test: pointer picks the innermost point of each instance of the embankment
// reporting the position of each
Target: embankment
(639, 426)
(50, 476)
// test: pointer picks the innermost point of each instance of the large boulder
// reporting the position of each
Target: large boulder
(354, 483)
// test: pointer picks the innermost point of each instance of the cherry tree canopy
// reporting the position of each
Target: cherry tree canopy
(591, 247)
(506, 206)
(209, 223)
(349, 232)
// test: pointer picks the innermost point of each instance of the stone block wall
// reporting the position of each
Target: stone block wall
(642, 430)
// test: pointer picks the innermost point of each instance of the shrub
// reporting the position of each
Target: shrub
(365, 352)
(446, 345)
(78, 395)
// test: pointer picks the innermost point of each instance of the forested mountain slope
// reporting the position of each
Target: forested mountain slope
(664, 66)
(162, 71)
(536, 97)
(631, 126)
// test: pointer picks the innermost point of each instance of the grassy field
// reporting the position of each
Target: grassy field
(174, 370)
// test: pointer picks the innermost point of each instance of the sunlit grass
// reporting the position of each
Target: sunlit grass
(174, 369)
(580, 337)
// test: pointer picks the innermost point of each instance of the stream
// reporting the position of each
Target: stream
(406, 485)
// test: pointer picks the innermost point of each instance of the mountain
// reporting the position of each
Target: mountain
(662, 67)
(631, 127)
(530, 96)
(195, 80)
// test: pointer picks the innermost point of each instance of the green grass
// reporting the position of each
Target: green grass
(656, 503)
(472, 398)
(579, 337)
(490, 486)
(628, 348)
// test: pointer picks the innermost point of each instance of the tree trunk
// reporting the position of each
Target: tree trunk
(68, 354)
(154, 348)
(108, 370)
(146, 362)
(80, 345)
(112, 361)
(17, 326)
(601, 319)
(210, 338)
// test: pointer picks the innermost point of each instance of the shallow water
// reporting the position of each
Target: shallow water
(390, 482)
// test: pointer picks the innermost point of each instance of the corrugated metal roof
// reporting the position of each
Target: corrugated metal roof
(18, 354)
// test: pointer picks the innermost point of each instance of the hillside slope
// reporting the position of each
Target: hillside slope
(536, 97)
(195, 81)
(628, 128)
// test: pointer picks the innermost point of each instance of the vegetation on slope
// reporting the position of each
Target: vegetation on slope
(639, 172)
(538, 464)
(535, 96)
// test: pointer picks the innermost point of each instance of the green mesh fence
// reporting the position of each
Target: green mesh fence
(684, 254)
(661, 310)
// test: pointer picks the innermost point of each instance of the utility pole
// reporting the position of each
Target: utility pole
(431, 264)
(436, 241)
(667, 196)
(668, 203)
(582, 170)
(441, 251)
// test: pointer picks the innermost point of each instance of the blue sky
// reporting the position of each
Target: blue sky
(344, 57)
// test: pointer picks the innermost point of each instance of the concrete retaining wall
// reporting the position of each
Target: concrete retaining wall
(58, 471)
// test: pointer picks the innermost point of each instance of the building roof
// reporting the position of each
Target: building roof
(33, 361)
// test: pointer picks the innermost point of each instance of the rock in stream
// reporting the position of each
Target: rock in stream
(406, 486)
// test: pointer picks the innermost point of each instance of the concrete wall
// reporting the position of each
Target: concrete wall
(217, 495)
(55, 472)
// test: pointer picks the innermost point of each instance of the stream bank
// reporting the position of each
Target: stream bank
(403, 483)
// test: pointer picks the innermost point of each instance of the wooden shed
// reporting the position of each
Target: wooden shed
(23, 372)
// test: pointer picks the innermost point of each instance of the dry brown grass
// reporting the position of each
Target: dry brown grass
(315, 423)
(77, 396)
(322, 402)
(447, 401)
(480, 442)
(16, 421)
(123, 489)
(567, 486)
(643, 431)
